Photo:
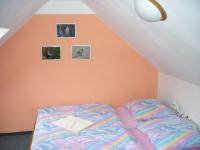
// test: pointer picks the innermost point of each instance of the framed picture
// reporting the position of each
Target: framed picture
(81, 51)
(51, 52)
(66, 30)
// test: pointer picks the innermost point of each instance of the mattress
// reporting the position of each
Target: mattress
(106, 132)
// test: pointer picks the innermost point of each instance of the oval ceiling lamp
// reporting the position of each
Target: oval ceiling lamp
(150, 10)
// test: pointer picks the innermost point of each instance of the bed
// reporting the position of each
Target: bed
(165, 129)
(105, 132)
(138, 125)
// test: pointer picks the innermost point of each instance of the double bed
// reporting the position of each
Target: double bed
(138, 125)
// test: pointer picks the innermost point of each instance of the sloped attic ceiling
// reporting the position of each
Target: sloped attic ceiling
(14, 13)
(172, 46)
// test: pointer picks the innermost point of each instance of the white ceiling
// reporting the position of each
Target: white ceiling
(65, 7)
(172, 46)
(14, 13)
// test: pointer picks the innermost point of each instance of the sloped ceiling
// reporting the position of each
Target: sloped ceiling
(172, 46)
(14, 13)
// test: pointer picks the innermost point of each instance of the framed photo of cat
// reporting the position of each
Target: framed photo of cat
(81, 52)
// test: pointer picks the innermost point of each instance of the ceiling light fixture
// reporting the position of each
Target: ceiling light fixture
(3, 31)
(150, 10)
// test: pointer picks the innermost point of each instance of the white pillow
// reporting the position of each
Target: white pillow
(73, 124)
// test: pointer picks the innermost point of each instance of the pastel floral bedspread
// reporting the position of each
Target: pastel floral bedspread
(106, 132)
(171, 133)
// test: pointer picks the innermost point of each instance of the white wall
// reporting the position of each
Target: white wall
(185, 93)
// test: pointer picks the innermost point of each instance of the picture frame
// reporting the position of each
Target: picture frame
(82, 52)
(66, 30)
(50, 52)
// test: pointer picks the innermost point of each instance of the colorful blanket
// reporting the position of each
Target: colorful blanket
(105, 134)
(149, 109)
(171, 133)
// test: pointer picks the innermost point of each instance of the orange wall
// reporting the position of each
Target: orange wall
(115, 74)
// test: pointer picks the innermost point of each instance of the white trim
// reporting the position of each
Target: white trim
(51, 45)
(64, 23)
(89, 45)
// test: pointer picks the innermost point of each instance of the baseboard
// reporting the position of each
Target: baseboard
(16, 133)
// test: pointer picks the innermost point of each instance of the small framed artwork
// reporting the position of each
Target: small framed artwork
(81, 51)
(51, 52)
(66, 30)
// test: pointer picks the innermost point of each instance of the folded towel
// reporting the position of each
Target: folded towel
(73, 124)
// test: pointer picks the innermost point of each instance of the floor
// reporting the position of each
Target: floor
(16, 141)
